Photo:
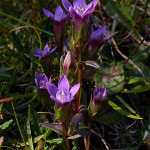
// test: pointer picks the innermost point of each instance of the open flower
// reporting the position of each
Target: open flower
(43, 53)
(80, 12)
(40, 80)
(59, 21)
(96, 103)
(97, 37)
(62, 94)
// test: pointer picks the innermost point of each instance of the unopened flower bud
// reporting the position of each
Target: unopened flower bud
(96, 103)
(67, 62)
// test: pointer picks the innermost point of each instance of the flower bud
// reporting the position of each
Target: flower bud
(96, 103)
(67, 63)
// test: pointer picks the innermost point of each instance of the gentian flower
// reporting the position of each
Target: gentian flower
(62, 94)
(45, 55)
(96, 103)
(97, 37)
(59, 22)
(45, 52)
(80, 12)
(40, 81)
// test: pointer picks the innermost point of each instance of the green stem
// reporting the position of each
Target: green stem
(89, 137)
(19, 125)
(65, 135)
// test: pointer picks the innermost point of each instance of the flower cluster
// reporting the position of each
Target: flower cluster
(71, 70)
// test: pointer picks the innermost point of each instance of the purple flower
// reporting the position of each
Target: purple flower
(80, 12)
(99, 95)
(59, 21)
(62, 94)
(43, 53)
(96, 38)
(96, 103)
(40, 81)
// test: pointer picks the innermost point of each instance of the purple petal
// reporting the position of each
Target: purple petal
(88, 11)
(66, 4)
(94, 2)
(68, 100)
(96, 90)
(104, 94)
(48, 14)
(73, 13)
(56, 100)
(79, 3)
(63, 84)
(53, 50)
(106, 38)
(38, 50)
(59, 14)
(46, 47)
(74, 89)
(45, 77)
(38, 78)
(37, 55)
(52, 89)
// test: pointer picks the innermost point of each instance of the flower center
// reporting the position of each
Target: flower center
(42, 84)
(79, 10)
(61, 95)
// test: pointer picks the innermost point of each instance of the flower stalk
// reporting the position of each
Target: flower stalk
(65, 135)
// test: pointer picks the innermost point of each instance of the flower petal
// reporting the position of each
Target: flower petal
(46, 47)
(52, 89)
(107, 37)
(94, 2)
(38, 78)
(79, 3)
(96, 90)
(53, 50)
(66, 4)
(59, 14)
(73, 13)
(38, 50)
(63, 84)
(74, 89)
(45, 77)
(104, 93)
(88, 11)
(48, 14)
(56, 100)
(37, 55)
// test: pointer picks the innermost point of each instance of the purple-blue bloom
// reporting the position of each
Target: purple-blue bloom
(43, 53)
(99, 95)
(62, 94)
(97, 37)
(41, 80)
(80, 12)
(59, 21)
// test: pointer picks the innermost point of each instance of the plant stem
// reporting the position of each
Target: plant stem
(79, 80)
(65, 135)
(89, 137)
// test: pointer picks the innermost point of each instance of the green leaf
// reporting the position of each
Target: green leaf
(29, 135)
(125, 104)
(122, 4)
(116, 11)
(5, 125)
(56, 141)
(121, 111)
(138, 89)
(112, 76)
